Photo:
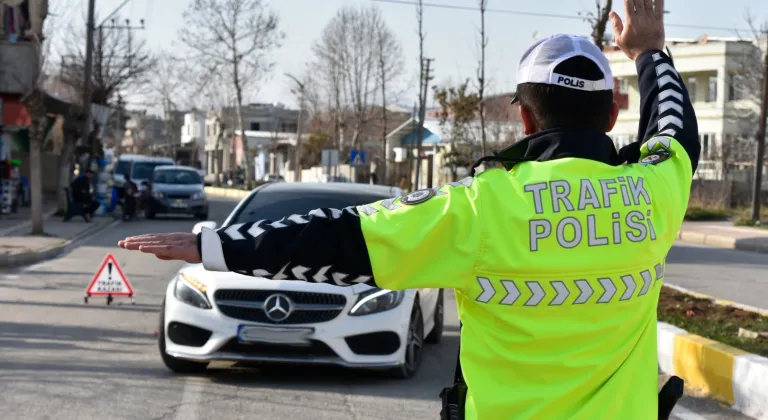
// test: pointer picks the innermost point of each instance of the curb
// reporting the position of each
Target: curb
(226, 192)
(717, 241)
(32, 257)
(733, 376)
(718, 301)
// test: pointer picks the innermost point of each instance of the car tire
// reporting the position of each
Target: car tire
(414, 345)
(436, 335)
(149, 214)
(174, 364)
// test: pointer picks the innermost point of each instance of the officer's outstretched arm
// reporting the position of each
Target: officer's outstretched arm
(430, 238)
(665, 107)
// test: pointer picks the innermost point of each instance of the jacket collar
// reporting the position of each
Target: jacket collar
(561, 143)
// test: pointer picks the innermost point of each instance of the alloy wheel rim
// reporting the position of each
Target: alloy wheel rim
(414, 344)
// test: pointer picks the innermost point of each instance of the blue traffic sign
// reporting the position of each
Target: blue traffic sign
(357, 157)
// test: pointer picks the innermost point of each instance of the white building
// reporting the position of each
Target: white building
(193, 134)
(712, 70)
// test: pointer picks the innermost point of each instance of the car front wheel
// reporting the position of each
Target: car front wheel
(414, 345)
(436, 335)
(175, 364)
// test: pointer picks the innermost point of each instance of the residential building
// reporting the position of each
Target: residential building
(714, 70)
(193, 136)
(266, 126)
(503, 127)
(142, 132)
(20, 35)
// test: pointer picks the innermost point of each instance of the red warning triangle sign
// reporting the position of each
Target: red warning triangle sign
(109, 280)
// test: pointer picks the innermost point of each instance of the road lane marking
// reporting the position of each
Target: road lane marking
(190, 397)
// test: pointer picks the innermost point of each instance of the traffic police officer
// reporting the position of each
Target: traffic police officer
(556, 262)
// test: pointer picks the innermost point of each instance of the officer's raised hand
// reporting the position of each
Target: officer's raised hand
(644, 27)
(166, 246)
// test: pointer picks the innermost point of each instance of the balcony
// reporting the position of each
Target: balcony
(19, 65)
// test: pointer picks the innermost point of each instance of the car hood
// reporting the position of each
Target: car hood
(178, 188)
(228, 280)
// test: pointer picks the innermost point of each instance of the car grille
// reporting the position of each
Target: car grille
(178, 196)
(308, 307)
(314, 349)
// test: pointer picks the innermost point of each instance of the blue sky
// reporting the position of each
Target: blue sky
(451, 34)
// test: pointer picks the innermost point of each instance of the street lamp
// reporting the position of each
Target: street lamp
(297, 152)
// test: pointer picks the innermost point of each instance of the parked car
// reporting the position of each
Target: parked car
(143, 166)
(211, 316)
(177, 190)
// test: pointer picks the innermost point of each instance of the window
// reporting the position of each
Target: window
(707, 146)
(736, 88)
(178, 177)
(255, 126)
(692, 88)
(207, 130)
(712, 89)
(623, 86)
(274, 205)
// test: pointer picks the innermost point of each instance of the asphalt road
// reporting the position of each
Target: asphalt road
(62, 359)
(733, 275)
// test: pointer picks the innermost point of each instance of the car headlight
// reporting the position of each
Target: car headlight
(191, 292)
(376, 300)
(198, 195)
(158, 195)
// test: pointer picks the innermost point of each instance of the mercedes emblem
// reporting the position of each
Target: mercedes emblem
(278, 307)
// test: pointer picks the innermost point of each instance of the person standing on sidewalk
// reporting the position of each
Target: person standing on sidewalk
(556, 261)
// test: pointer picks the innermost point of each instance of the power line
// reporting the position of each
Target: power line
(546, 15)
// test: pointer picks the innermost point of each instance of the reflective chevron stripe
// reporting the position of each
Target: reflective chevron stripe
(488, 290)
(585, 290)
(512, 292)
(614, 289)
(537, 293)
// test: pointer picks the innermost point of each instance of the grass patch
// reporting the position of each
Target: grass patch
(716, 322)
(700, 214)
(745, 221)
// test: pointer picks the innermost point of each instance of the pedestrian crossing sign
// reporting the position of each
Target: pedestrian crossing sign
(109, 280)
(357, 157)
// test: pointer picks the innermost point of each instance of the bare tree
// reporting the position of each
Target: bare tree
(458, 108)
(390, 65)
(348, 46)
(168, 84)
(34, 98)
(599, 21)
(233, 37)
(120, 63)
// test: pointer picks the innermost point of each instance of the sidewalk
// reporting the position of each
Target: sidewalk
(18, 248)
(20, 220)
(725, 235)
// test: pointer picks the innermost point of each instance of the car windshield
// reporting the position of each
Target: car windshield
(174, 176)
(274, 205)
(123, 166)
(143, 170)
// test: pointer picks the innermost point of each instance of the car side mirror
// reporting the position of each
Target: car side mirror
(200, 225)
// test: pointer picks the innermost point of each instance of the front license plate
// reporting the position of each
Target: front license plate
(178, 204)
(273, 335)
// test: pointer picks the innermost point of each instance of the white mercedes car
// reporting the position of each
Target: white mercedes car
(210, 316)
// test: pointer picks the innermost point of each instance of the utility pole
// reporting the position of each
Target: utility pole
(423, 89)
(87, 72)
(758, 181)
(297, 153)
